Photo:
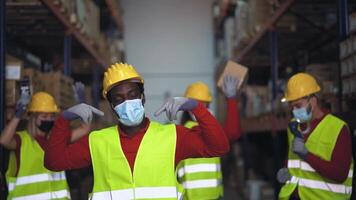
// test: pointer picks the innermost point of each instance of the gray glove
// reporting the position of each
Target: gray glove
(298, 147)
(283, 175)
(172, 106)
(82, 111)
(21, 104)
(230, 86)
(79, 92)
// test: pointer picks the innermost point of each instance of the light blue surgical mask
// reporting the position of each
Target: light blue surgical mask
(130, 112)
(302, 114)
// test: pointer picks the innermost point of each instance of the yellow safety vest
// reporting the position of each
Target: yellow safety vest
(201, 177)
(153, 176)
(33, 180)
(310, 184)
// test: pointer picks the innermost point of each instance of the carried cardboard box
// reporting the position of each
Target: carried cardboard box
(236, 70)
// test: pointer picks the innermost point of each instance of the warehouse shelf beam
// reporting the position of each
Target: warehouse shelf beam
(96, 87)
(115, 13)
(71, 29)
(67, 54)
(343, 19)
(2, 86)
(268, 25)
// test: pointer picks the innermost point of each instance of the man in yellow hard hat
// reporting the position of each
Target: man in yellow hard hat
(136, 158)
(320, 163)
(201, 178)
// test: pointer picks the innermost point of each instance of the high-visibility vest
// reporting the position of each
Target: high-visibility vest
(309, 183)
(153, 176)
(33, 180)
(201, 177)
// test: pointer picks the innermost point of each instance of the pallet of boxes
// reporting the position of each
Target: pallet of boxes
(15, 72)
(348, 61)
(60, 87)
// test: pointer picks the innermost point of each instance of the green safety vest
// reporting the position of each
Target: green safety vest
(33, 180)
(309, 183)
(201, 178)
(153, 176)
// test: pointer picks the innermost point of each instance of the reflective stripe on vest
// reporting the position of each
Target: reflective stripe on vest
(33, 180)
(201, 178)
(309, 183)
(139, 193)
(306, 167)
(45, 196)
(153, 176)
(331, 187)
(204, 167)
(207, 183)
(57, 176)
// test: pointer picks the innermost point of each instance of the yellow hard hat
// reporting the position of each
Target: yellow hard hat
(42, 102)
(198, 91)
(300, 85)
(119, 72)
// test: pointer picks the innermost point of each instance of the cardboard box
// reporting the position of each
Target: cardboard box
(236, 70)
(60, 87)
(12, 92)
(14, 68)
(352, 22)
(35, 76)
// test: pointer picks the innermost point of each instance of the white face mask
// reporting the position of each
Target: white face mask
(130, 112)
(302, 114)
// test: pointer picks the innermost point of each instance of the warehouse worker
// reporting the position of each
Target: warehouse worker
(320, 163)
(136, 158)
(201, 177)
(26, 176)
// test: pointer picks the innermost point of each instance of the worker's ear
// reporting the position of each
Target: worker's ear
(143, 97)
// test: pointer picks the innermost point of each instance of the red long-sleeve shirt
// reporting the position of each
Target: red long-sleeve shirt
(207, 140)
(337, 168)
(232, 126)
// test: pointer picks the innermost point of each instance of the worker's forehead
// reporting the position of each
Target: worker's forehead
(299, 102)
(124, 86)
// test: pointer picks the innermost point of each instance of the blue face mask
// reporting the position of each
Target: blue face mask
(130, 112)
(302, 114)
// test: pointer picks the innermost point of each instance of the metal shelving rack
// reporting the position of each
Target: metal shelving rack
(69, 31)
(271, 39)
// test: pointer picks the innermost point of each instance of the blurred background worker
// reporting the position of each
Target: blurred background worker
(27, 178)
(320, 161)
(154, 149)
(201, 177)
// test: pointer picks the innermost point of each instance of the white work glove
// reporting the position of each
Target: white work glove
(21, 104)
(283, 175)
(172, 106)
(298, 147)
(230, 86)
(79, 92)
(82, 111)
